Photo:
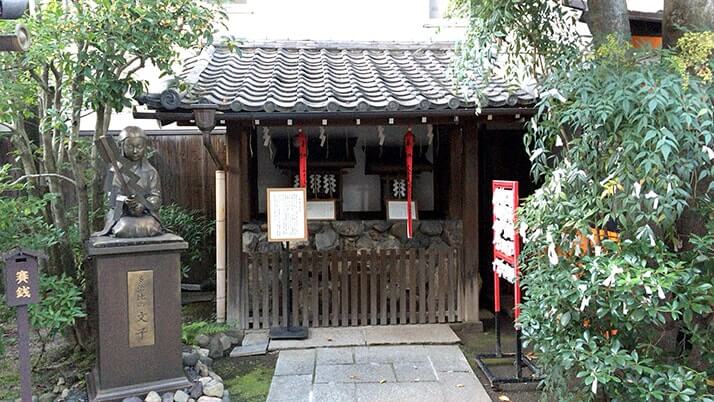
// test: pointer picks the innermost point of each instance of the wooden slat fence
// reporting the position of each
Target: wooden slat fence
(350, 288)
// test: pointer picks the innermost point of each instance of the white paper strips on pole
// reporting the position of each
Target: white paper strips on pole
(504, 234)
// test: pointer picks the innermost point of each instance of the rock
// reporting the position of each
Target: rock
(191, 373)
(226, 342)
(420, 240)
(267, 247)
(235, 333)
(453, 233)
(204, 351)
(250, 241)
(47, 397)
(215, 348)
(202, 369)
(382, 226)
(196, 390)
(167, 397)
(202, 340)
(190, 359)
(77, 395)
(431, 228)
(64, 393)
(348, 228)
(215, 376)
(437, 243)
(191, 400)
(389, 244)
(205, 380)
(208, 399)
(213, 388)
(364, 243)
(251, 227)
(226, 396)
(314, 227)
(399, 231)
(152, 397)
(207, 361)
(326, 240)
(180, 396)
(132, 399)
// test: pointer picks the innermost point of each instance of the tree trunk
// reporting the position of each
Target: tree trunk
(605, 17)
(693, 15)
(96, 187)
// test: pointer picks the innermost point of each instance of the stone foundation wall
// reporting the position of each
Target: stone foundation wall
(356, 235)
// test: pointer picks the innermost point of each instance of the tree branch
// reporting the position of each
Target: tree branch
(40, 175)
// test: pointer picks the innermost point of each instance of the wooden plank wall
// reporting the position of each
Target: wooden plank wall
(186, 170)
(350, 288)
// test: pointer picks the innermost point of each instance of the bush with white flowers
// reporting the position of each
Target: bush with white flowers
(630, 319)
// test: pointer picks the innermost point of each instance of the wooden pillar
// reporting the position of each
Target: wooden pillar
(235, 182)
(470, 217)
(456, 169)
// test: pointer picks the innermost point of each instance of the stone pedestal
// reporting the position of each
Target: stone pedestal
(137, 302)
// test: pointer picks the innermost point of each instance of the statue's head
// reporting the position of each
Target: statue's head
(133, 142)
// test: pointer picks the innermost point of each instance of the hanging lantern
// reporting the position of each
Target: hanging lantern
(302, 146)
(409, 156)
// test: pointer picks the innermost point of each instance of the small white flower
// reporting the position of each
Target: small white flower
(552, 255)
(648, 290)
(637, 187)
(653, 195)
(594, 387)
(660, 292)
(708, 151)
(598, 251)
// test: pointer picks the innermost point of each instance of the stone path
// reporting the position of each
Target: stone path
(402, 373)
(432, 334)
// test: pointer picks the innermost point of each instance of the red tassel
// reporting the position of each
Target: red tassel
(302, 144)
(409, 153)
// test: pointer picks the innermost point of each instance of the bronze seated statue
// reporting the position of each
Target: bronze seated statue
(133, 187)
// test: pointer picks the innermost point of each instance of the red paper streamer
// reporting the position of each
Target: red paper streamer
(409, 153)
(302, 144)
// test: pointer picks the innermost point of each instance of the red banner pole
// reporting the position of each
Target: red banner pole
(302, 144)
(409, 153)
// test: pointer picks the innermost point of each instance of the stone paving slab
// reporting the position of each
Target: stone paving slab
(291, 388)
(254, 343)
(357, 373)
(446, 358)
(425, 334)
(414, 372)
(335, 356)
(334, 392)
(322, 337)
(403, 373)
(391, 354)
(295, 362)
(399, 392)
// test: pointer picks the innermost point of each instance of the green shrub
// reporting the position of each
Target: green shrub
(628, 320)
(190, 331)
(196, 229)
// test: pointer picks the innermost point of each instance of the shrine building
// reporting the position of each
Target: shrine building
(354, 104)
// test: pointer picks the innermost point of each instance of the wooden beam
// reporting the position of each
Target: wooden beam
(235, 161)
(454, 143)
(470, 217)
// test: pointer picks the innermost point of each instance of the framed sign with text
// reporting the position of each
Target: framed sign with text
(287, 214)
(321, 210)
(397, 210)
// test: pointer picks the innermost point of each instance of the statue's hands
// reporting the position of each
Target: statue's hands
(135, 207)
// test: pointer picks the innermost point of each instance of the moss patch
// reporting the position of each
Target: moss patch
(247, 378)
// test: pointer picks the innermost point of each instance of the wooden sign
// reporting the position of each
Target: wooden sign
(22, 287)
(22, 280)
(141, 308)
(506, 241)
(397, 210)
(321, 210)
(287, 214)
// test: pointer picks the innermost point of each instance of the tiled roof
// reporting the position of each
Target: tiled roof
(323, 78)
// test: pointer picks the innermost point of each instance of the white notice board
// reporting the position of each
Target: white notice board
(287, 214)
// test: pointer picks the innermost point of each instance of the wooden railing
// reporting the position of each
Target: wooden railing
(349, 288)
